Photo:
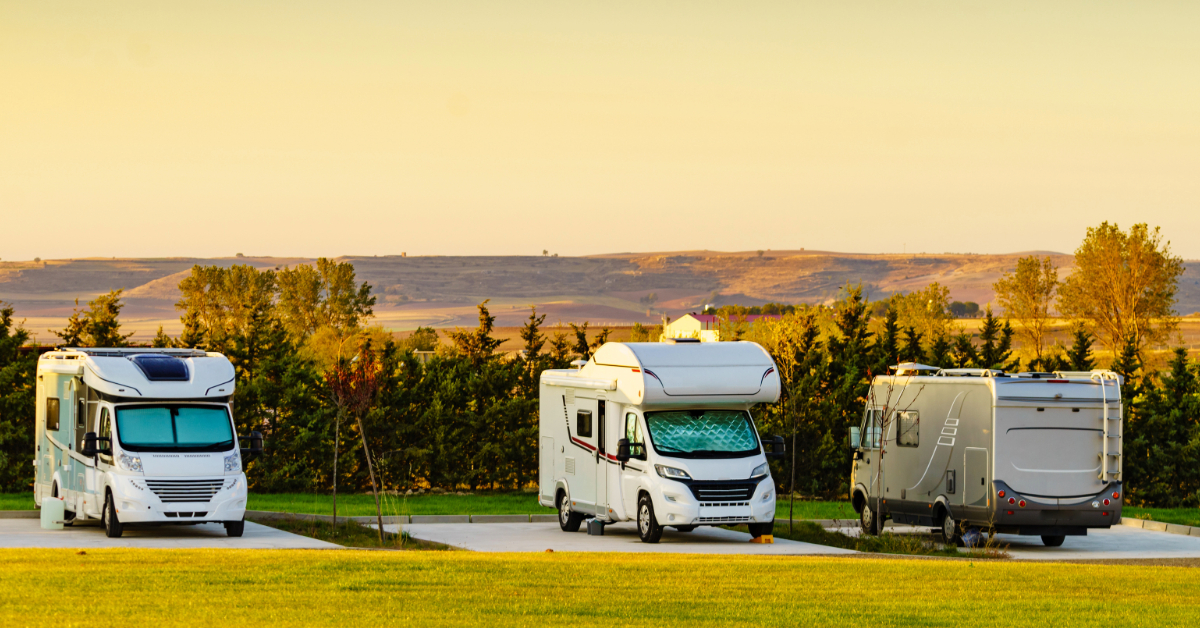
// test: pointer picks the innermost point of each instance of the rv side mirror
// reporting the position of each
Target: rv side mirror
(89, 445)
(623, 450)
(777, 448)
(858, 454)
(855, 437)
(255, 441)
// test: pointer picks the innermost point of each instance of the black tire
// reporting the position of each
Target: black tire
(868, 520)
(684, 528)
(235, 528)
(113, 528)
(648, 528)
(761, 529)
(567, 520)
(1053, 540)
(950, 530)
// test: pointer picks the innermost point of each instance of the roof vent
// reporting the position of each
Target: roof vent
(681, 341)
(161, 368)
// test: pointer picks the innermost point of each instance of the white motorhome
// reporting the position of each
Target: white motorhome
(970, 450)
(140, 436)
(660, 433)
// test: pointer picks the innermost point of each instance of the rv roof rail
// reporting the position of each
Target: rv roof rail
(121, 352)
(961, 373)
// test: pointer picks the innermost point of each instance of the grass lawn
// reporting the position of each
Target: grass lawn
(1181, 516)
(349, 534)
(17, 501)
(360, 588)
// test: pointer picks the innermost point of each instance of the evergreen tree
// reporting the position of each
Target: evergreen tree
(560, 351)
(533, 358)
(995, 349)
(16, 405)
(886, 350)
(193, 333)
(1162, 456)
(97, 326)
(1128, 365)
(162, 340)
(1079, 356)
(581, 347)
(940, 352)
(911, 351)
(963, 354)
(478, 346)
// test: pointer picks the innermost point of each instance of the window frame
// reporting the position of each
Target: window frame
(635, 435)
(871, 432)
(579, 423)
(56, 404)
(914, 430)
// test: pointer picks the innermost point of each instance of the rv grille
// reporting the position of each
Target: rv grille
(186, 514)
(722, 491)
(173, 491)
(723, 519)
(723, 504)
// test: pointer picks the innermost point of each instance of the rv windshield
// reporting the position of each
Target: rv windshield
(174, 428)
(702, 433)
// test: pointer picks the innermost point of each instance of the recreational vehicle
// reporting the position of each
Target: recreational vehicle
(140, 436)
(660, 434)
(969, 450)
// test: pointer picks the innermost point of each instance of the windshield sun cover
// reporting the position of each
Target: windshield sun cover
(174, 428)
(702, 433)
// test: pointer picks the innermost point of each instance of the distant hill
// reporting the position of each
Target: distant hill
(603, 289)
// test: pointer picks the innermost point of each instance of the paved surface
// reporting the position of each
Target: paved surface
(1115, 543)
(621, 537)
(28, 533)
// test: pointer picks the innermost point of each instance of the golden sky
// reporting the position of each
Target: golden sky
(334, 128)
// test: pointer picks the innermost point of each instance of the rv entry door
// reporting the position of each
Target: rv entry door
(975, 483)
(601, 461)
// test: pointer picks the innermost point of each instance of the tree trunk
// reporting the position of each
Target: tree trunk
(337, 430)
(371, 470)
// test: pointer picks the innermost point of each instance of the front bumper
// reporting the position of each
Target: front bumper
(136, 502)
(676, 504)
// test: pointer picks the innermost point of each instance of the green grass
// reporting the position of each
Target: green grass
(17, 501)
(348, 533)
(283, 588)
(1181, 516)
(428, 504)
(886, 543)
(816, 510)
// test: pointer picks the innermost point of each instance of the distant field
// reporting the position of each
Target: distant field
(366, 588)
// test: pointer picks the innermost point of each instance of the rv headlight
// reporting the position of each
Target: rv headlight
(233, 462)
(671, 473)
(760, 471)
(130, 463)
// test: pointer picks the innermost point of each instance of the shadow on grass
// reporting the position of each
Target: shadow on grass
(349, 533)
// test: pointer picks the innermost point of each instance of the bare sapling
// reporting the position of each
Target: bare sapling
(355, 385)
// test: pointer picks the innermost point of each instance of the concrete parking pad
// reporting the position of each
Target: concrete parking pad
(621, 537)
(88, 535)
(1116, 543)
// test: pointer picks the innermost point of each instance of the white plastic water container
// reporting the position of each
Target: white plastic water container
(53, 513)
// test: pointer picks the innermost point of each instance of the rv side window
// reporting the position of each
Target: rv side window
(52, 413)
(633, 434)
(869, 438)
(908, 429)
(583, 423)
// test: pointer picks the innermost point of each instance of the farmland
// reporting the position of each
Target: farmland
(292, 588)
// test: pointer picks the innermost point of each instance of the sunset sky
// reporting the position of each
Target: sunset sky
(369, 128)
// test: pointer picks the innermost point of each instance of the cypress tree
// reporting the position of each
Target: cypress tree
(1079, 356)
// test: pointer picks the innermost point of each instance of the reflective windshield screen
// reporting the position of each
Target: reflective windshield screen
(174, 428)
(702, 433)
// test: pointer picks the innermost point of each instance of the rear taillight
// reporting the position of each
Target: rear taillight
(1000, 494)
(1106, 502)
(1009, 512)
(1012, 500)
(1116, 495)
(1104, 513)
(1021, 503)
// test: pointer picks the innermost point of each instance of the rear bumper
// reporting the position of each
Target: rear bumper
(1051, 516)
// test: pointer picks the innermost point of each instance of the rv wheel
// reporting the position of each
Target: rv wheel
(761, 529)
(567, 520)
(112, 526)
(868, 520)
(1053, 540)
(951, 534)
(235, 528)
(648, 527)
